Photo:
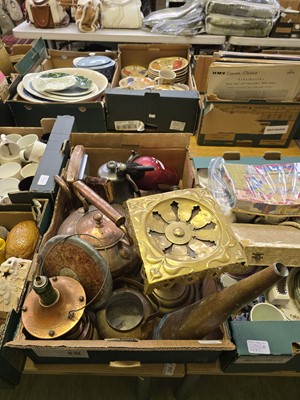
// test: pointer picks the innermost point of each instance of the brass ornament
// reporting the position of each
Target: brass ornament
(180, 235)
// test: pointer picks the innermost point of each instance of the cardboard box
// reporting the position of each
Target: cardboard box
(145, 110)
(8, 58)
(12, 360)
(263, 346)
(288, 23)
(257, 239)
(126, 368)
(267, 244)
(246, 104)
(201, 66)
(23, 197)
(169, 148)
(202, 163)
(251, 124)
(90, 116)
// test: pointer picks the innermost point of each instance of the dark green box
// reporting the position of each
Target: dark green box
(160, 111)
(263, 346)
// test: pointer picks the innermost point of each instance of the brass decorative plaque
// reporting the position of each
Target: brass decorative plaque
(180, 235)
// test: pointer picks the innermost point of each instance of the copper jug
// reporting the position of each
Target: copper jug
(129, 313)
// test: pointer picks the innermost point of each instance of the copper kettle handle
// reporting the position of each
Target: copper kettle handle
(100, 203)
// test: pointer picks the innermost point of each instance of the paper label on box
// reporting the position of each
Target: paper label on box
(61, 353)
(209, 341)
(169, 369)
(276, 130)
(43, 180)
(258, 347)
(177, 126)
(247, 81)
(138, 126)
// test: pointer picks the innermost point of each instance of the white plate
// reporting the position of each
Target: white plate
(41, 98)
(35, 97)
(97, 78)
(57, 96)
(22, 92)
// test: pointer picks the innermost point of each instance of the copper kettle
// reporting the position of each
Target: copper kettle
(99, 224)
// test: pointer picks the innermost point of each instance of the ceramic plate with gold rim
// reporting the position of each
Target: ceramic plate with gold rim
(134, 70)
(173, 63)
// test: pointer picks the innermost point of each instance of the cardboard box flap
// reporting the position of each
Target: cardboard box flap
(131, 140)
(113, 345)
(296, 347)
(233, 158)
(143, 54)
(59, 57)
(33, 58)
(182, 94)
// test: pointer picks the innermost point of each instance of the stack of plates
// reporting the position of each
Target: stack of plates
(177, 64)
(63, 85)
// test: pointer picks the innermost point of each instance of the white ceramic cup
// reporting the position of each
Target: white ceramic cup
(165, 77)
(29, 170)
(278, 294)
(6, 186)
(13, 137)
(9, 152)
(37, 151)
(266, 312)
(26, 144)
(10, 170)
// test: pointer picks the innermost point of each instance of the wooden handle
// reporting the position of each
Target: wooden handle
(100, 203)
(74, 163)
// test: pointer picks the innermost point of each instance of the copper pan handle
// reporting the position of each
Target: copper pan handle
(100, 203)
